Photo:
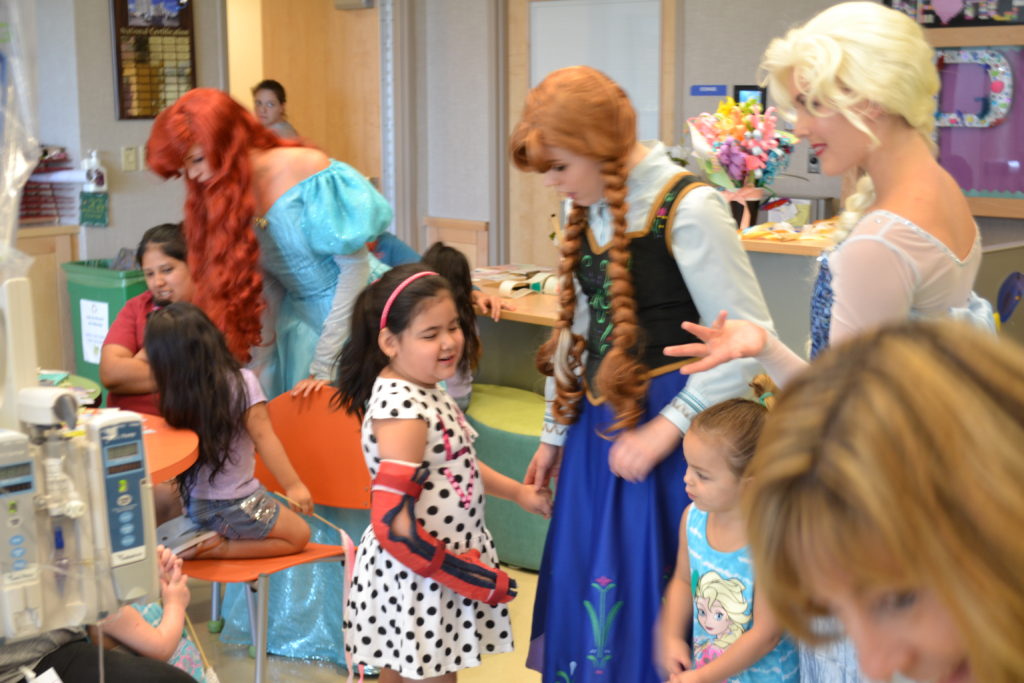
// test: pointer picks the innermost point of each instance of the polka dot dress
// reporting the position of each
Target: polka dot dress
(395, 618)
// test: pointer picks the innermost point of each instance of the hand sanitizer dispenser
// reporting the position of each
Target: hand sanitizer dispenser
(95, 173)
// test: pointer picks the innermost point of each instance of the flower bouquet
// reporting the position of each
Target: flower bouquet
(741, 150)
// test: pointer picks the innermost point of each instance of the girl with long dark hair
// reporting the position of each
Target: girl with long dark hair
(203, 388)
(453, 266)
(427, 595)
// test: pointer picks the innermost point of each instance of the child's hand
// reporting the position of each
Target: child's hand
(675, 656)
(308, 386)
(688, 676)
(534, 500)
(166, 562)
(174, 586)
(491, 304)
(543, 466)
(302, 501)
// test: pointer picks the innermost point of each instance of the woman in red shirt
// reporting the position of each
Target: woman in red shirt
(124, 368)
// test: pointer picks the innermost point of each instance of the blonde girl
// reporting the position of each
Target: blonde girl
(861, 81)
(645, 246)
(886, 491)
(713, 590)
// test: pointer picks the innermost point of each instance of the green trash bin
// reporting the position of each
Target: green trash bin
(97, 294)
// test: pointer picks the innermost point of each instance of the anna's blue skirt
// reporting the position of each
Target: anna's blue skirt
(610, 551)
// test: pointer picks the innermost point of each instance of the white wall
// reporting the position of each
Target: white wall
(460, 141)
(722, 43)
(245, 48)
(75, 87)
(461, 138)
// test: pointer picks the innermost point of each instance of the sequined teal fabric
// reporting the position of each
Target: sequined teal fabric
(306, 602)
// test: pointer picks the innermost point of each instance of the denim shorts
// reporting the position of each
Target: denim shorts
(249, 518)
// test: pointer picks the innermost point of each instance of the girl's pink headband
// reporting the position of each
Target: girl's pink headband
(398, 290)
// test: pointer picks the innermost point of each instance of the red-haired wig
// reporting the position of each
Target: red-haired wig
(223, 253)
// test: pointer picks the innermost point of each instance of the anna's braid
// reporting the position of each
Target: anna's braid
(561, 356)
(621, 379)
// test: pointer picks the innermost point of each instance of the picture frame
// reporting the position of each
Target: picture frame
(983, 37)
(154, 55)
(744, 93)
(960, 13)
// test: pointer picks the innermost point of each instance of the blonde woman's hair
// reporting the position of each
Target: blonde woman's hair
(582, 110)
(736, 424)
(729, 594)
(896, 462)
(851, 55)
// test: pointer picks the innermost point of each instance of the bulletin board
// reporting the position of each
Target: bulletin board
(980, 115)
(154, 55)
(958, 13)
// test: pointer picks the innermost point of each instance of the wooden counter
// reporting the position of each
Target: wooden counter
(804, 247)
(785, 271)
(534, 309)
(542, 309)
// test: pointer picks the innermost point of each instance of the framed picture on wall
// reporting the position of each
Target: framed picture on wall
(961, 13)
(744, 93)
(980, 115)
(154, 55)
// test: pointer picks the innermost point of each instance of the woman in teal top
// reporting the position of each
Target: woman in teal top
(314, 264)
(273, 228)
(276, 236)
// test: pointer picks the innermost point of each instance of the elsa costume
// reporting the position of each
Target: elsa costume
(315, 263)
(888, 269)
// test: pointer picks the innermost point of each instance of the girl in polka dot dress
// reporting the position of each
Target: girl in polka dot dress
(427, 596)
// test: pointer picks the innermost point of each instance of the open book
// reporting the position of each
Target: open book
(180, 534)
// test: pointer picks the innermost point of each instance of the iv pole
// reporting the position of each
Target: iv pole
(19, 152)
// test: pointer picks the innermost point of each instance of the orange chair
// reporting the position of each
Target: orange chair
(324, 447)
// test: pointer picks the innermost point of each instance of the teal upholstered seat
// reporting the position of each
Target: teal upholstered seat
(509, 422)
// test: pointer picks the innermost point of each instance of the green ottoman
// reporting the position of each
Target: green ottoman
(509, 422)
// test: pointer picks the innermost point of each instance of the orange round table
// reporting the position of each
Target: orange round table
(169, 451)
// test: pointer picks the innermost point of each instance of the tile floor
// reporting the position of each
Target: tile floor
(233, 665)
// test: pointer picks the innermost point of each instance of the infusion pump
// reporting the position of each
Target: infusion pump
(77, 531)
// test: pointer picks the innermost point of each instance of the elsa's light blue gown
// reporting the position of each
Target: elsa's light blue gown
(312, 245)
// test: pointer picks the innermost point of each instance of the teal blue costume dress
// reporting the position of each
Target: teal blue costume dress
(311, 240)
(312, 246)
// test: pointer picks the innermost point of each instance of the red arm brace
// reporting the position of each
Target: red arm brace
(396, 488)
